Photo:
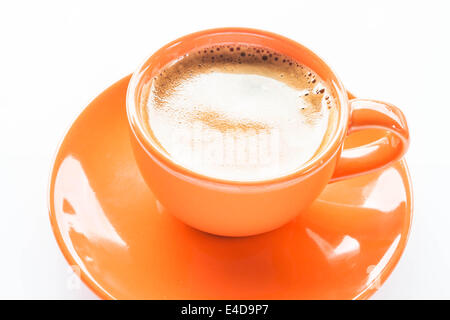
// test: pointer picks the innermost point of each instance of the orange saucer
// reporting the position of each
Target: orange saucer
(109, 225)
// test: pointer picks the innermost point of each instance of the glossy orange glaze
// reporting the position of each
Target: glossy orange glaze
(371, 114)
(108, 224)
(249, 208)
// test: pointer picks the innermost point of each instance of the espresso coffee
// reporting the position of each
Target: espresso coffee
(238, 112)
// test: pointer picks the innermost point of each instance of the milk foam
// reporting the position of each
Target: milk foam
(239, 126)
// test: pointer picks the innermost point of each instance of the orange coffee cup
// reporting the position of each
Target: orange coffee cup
(232, 208)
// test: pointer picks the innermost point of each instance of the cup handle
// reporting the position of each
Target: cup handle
(372, 114)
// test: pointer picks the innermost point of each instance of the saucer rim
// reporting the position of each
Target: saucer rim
(405, 234)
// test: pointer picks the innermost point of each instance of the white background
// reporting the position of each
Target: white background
(56, 56)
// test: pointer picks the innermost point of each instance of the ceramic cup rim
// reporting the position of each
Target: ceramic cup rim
(306, 169)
